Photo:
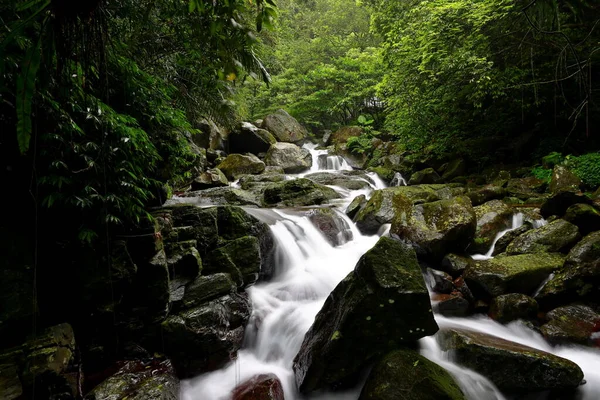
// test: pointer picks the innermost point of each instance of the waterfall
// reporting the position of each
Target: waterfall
(398, 180)
(517, 222)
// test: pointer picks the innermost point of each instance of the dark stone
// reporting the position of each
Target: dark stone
(333, 227)
(564, 179)
(455, 264)
(509, 307)
(206, 288)
(559, 202)
(284, 127)
(405, 374)
(298, 192)
(492, 218)
(439, 281)
(260, 387)
(585, 216)
(451, 305)
(557, 236)
(247, 138)
(291, 158)
(356, 205)
(571, 324)
(486, 193)
(510, 366)
(381, 305)
(509, 236)
(427, 175)
(209, 179)
(240, 258)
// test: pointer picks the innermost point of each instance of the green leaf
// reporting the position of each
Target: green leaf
(25, 90)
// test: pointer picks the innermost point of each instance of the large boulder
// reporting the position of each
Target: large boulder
(584, 216)
(450, 305)
(342, 135)
(381, 209)
(298, 192)
(333, 227)
(260, 387)
(228, 195)
(139, 380)
(564, 179)
(209, 179)
(203, 338)
(437, 228)
(240, 258)
(579, 279)
(510, 366)
(405, 374)
(356, 205)
(209, 136)
(559, 202)
(522, 273)
(427, 175)
(492, 218)
(247, 138)
(525, 188)
(236, 165)
(571, 324)
(347, 180)
(291, 158)
(203, 289)
(284, 127)
(557, 236)
(378, 307)
(509, 307)
(486, 193)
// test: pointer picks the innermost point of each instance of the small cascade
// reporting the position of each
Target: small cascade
(517, 222)
(398, 180)
(322, 161)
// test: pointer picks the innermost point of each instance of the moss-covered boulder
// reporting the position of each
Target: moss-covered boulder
(455, 264)
(405, 374)
(492, 218)
(522, 273)
(221, 196)
(450, 305)
(437, 228)
(571, 324)
(334, 228)
(510, 366)
(183, 259)
(346, 181)
(381, 209)
(509, 236)
(356, 205)
(236, 165)
(585, 217)
(509, 307)
(247, 138)
(260, 387)
(284, 127)
(378, 307)
(291, 158)
(203, 338)
(240, 258)
(344, 133)
(209, 179)
(204, 289)
(557, 236)
(579, 279)
(139, 380)
(480, 195)
(559, 202)
(564, 179)
(427, 175)
(298, 192)
(525, 188)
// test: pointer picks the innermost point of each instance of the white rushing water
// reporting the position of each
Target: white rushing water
(398, 180)
(322, 161)
(517, 222)
(307, 269)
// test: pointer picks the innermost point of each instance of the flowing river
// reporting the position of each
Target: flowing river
(307, 269)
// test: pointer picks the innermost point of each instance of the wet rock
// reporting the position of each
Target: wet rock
(236, 165)
(204, 338)
(206, 288)
(509, 236)
(350, 182)
(247, 138)
(342, 135)
(240, 258)
(356, 205)
(405, 374)
(450, 305)
(557, 236)
(579, 279)
(183, 259)
(335, 229)
(510, 366)
(150, 293)
(439, 281)
(222, 196)
(381, 209)
(381, 305)
(524, 188)
(139, 380)
(209, 179)
(260, 387)
(357, 161)
(522, 273)
(454, 264)
(462, 287)
(559, 202)
(257, 184)
(288, 156)
(427, 175)
(284, 127)
(492, 218)
(210, 136)
(564, 179)
(571, 324)
(486, 193)
(585, 217)
(436, 228)
(509, 307)
(298, 192)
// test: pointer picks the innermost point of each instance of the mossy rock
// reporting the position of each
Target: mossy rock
(571, 324)
(509, 307)
(585, 217)
(512, 367)
(405, 374)
(559, 202)
(356, 205)
(221, 196)
(288, 156)
(298, 192)
(579, 279)
(509, 236)
(564, 179)
(381, 209)
(344, 133)
(437, 228)
(384, 173)
(427, 175)
(455, 264)
(247, 138)
(236, 165)
(284, 127)
(382, 305)
(240, 258)
(486, 193)
(453, 169)
(522, 273)
(557, 236)
(524, 188)
(492, 218)
(332, 226)
(350, 182)
(209, 179)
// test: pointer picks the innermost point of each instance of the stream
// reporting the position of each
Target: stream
(307, 269)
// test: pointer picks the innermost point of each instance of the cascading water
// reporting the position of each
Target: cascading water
(517, 222)
(307, 269)
(322, 161)
(398, 180)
